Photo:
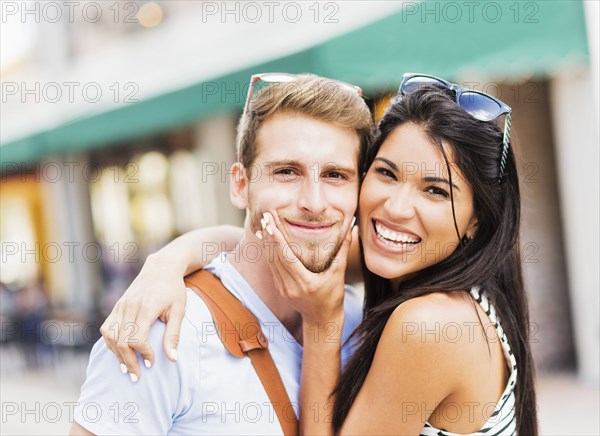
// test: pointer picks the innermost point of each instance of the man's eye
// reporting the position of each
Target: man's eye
(287, 174)
(335, 175)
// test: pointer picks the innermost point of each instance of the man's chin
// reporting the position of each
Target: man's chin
(315, 267)
(316, 257)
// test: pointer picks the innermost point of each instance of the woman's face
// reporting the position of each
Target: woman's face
(406, 220)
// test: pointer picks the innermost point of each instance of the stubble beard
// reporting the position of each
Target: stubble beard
(316, 256)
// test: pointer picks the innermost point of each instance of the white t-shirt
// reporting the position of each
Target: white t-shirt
(207, 391)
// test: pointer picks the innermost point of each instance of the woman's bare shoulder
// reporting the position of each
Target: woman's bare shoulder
(438, 307)
(442, 324)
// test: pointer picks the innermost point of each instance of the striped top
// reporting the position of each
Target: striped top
(503, 420)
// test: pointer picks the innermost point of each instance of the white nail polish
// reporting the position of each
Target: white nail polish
(266, 218)
(263, 223)
(123, 368)
(174, 353)
(258, 235)
(353, 221)
(147, 363)
(269, 230)
(134, 378)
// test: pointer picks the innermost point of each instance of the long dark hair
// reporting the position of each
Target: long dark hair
(490, 260)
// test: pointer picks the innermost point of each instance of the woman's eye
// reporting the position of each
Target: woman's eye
(385, 172)
(439, 192)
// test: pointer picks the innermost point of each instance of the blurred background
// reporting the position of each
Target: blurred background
(118, 126)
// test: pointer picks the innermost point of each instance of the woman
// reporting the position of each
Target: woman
(443, 344)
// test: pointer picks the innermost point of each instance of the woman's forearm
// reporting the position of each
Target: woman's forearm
(159, 292)
(193, 250)
(321, 365)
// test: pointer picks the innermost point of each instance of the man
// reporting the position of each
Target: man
(298, 147)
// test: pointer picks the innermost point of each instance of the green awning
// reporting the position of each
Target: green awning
(489, 39)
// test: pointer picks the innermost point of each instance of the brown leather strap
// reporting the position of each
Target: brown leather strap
(241, 335)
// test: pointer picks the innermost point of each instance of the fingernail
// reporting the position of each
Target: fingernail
(266, 217)
(134, 378)
(174, 353)
(269, 230)
(258, 235)
(147, 363)
(353, 221)
(263, 223)
(123, 368)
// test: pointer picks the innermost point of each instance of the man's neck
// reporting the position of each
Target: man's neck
(255, 269)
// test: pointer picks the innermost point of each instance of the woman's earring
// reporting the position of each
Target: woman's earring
(466, 239)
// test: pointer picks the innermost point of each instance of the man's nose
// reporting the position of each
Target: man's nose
(312, 197)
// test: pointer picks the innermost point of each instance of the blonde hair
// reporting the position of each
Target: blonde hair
(309, 95)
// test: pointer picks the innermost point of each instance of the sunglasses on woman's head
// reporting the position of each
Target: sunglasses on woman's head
(479, 105)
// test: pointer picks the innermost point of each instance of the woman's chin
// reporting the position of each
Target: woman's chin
(384, 269)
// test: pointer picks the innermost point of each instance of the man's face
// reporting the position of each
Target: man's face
(306, 172)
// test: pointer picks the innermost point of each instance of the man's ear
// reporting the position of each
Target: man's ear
(238, 185)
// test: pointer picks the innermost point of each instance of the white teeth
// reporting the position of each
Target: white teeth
(390, 235)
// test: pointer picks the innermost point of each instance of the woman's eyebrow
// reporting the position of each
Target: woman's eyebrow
(389, 162)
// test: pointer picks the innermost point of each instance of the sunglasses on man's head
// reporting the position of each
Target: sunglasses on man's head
(286, 78)
(479, 105)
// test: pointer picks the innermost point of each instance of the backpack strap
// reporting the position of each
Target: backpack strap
(240, 332)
